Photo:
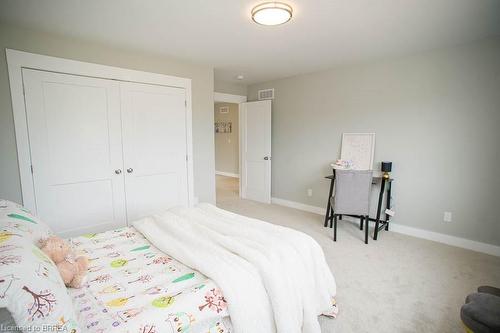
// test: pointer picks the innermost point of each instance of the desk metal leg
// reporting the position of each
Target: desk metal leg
(367, 219)
(328, 206)
(330, 218)
(379, 208)
(387, 217)
(334, 228)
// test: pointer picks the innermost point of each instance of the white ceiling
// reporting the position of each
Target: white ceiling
(322, 33)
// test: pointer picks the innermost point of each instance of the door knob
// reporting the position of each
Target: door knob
(118, 171)
(130, 170)
(266, 158)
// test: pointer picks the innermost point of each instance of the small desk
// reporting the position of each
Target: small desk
(379, 224)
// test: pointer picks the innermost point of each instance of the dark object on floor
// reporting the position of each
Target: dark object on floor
(489, 290)
(481, 311)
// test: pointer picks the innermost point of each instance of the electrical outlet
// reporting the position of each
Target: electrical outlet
(309, 192)
(447, 217)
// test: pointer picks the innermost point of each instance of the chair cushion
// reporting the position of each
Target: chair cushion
(352, 192)
(481, 313)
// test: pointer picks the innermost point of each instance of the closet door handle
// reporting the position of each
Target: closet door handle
(130, 170)
(118, 171)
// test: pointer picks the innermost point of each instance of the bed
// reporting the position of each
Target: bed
(134, 287)
(153, 276)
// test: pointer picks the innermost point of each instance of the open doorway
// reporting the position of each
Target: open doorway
(242, 124)
(227, 160)
(227, 145)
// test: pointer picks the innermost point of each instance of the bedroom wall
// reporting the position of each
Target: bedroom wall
(436, 115)
(38, 42)
(230, 88)
(227, 144)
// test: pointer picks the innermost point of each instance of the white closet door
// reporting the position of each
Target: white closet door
(154, 147)
(75, 140)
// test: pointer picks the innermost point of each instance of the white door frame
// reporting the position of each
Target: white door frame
(236, 99)
(17, 60)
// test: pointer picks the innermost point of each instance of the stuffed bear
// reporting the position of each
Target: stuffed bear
(72, 269)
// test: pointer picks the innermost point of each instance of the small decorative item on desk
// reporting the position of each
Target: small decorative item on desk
(342, 165)
(386, 168)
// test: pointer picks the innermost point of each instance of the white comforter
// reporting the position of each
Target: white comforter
(273, 278)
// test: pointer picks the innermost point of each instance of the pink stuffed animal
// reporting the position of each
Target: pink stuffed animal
(72, 270)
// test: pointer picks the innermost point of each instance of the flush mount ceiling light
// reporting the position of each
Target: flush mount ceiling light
(272, 13)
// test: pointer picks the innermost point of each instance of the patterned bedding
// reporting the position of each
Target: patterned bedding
(134, 287)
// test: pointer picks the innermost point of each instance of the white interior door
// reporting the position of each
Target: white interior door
(256, 150)
(75, 140)
(155, 148)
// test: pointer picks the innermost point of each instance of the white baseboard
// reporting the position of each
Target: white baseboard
(446, 239)
(90, 229)
(298, 205)
(406, 230)
(227, 174)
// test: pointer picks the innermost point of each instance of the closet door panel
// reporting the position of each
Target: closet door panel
(154, 146)
(74, 129)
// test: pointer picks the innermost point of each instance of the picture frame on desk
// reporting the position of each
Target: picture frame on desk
(358, 148)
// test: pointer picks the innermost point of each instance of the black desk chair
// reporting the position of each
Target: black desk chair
(352, 197)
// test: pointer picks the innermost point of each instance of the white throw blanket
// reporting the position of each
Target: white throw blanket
(274, 278)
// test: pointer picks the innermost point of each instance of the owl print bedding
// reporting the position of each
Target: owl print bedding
(132, 287)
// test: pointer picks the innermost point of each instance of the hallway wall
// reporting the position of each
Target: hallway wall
(227, 144)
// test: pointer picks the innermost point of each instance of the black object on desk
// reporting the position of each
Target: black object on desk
(379, 224)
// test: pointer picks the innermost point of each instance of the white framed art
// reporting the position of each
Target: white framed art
(359, 148)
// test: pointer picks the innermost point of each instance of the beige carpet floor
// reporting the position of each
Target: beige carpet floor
(395, 284)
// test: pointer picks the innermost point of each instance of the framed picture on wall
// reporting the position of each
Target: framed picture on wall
(224, 127)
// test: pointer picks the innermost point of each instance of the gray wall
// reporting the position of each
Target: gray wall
(227, 144)
(36, 42)
(437, 117)
(230, 88)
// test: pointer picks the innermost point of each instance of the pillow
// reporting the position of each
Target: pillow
(17, 220)
(30, 285)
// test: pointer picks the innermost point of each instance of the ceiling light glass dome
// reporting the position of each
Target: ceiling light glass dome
(272, 13)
